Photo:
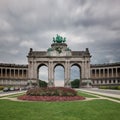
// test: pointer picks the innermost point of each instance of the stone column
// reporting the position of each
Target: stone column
(22, 73)
(35, 72)
(108, 72)
(1, 72)
(10, 73)
(101, 73)
(116, 72)
(49, 77)
(98, 73)
(14, 73)
(104, 72)
(18, 72)
(5, 72)
(83, 70)
(26, 73)
(69, 68)
(67, 74)
(116, 81)
(87, 70)
(31, 71)
(112, 72)
(50, 74)
(95, 73)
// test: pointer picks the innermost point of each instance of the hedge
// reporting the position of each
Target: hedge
(110, 87)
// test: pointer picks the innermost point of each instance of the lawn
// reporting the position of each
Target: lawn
(104, 96)
(79, 110)
(85, 94)
(15, 95)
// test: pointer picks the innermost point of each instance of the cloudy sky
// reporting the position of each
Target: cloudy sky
(93, 24)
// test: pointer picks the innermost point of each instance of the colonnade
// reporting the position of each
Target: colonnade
(105, 75)
(105, 72)
(107, 81)
(13, 75)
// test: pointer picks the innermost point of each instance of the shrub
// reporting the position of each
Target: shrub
(113, 87)
(1, 87)
(103, 87)
(51, 91)
(42, 83)
(118, 87)
(75, 83)
(110, 87)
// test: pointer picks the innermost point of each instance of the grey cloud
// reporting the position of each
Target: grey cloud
(28, 23)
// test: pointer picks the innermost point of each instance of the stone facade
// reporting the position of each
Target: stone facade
(105, 74)
(59, 54)
(101, 74)
(13, 75)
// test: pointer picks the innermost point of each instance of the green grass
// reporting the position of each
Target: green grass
(81, 93)
(15, 95)
(106, 96)
(80, 110)
(85, 94)
(89, 95)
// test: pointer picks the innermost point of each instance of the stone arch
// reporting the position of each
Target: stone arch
(59, 64)
(76, 64)
(58, 54)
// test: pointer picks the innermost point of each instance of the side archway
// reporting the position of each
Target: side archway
(42, 73)
(75, 76)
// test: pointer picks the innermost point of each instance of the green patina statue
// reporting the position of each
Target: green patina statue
(59, 39)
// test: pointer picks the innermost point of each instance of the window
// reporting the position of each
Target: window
(109, 81)
(113, 81)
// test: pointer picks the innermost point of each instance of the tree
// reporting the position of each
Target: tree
(75, 83)
(42, 83)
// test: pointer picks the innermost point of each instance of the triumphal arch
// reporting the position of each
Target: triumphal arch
(59, 54)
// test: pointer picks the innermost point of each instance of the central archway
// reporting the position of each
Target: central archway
(59, 75)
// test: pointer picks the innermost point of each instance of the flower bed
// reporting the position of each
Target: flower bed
(50, 98)
(51, 94)
(52, 91)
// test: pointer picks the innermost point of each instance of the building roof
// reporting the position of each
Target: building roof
(13, 65)
(105, 65)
